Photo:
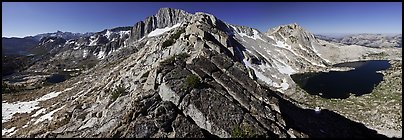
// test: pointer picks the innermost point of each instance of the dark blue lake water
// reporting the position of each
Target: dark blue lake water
(338, 84)
(57, 78)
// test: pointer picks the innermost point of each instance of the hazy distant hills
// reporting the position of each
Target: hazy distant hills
(368, 40)
(21, 46)
(17, 45)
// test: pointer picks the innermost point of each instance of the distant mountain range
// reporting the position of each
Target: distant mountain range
(368, 40)
(23, 46)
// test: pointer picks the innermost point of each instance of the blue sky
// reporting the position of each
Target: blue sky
(30, 18)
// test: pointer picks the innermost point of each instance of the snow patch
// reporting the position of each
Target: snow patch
(49, 96)
(257, 73)
(301, 47)
(108, 34)
(70, 42)
(284, 86)
(285, 69)
(93, 41)
(122, 33)
(158, 32)
(71, 70)
(260, 75)
(85, 53)
(47, 116)
(272, 37)
(282, 44)
(9, 109)
(38, 112)
(255, 35)
(5, 131)
(101, 54)
(26, 125)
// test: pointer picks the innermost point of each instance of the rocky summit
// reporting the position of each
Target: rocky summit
(174, 75)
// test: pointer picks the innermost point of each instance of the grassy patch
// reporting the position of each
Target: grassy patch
(6, 88)
(181, 56)
(178, 34)
(172, 59)
(167, 43)
(172, 38)
(118, 91)
(244, 132)
(146, 74)
(168, 61)
(192, 81)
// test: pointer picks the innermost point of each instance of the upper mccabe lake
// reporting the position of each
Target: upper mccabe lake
(339, 84)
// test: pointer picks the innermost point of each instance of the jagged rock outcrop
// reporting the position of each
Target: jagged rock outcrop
(50, 43)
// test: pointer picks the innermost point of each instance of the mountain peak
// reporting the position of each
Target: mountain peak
(169, 10)
(286, 28)
(289, 26)
(165, 17)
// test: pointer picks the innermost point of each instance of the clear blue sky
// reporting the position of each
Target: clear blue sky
(26, 18)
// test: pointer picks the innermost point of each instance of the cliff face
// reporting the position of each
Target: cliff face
(165, 17)
(195, 78)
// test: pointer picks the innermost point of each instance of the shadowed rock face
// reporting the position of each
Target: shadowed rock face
(162, 100)
(323, 124)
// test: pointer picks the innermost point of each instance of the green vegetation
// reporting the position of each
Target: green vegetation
(65, 119)
(172, 59)
(6, 88)
(192, 81)
(15, 63)
(39, 51)
(178, 34)
(380, 55)
(118, 91)
(244, 132)
(168, 61)
(181, 56)
(167, 43)
(172, 38)
(146, 74)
